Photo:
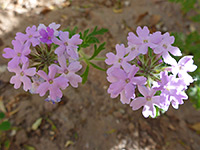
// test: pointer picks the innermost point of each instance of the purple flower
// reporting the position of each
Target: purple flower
(165, 46)
(69, 71)
(149, 101)
(51, 83)
(47, 35)
(181, 68)
(143, 41)
(31, 36)
(172, 90)
(67, 45)
(18, 54)
(125, 83)
(118, 59)
(53, 26)
(22, 76)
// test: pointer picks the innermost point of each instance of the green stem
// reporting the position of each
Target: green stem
(86, 57)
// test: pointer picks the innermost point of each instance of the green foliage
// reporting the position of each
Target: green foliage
(2, 115)
(89, 38)
(97, 67)
(187, 5)
(4, 125)
(196, 18)
(190, 45)
(97, 50)
(85, 74)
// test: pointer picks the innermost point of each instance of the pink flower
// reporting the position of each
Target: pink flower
(181, 68)
(52, 84)
(67, 45)
(125, 83)
(119, 59)
(31, 36)
(53, 26)
(18, 54)
(69, 71)
(143, 41)
(165, 46)
(46, 35)
(22, 76)
(172, 90)
(149, 101)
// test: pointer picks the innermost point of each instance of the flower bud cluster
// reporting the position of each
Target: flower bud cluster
(44, 59)
(145, 74)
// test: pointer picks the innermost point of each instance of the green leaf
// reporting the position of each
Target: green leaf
(187, 5)
(85, 75)
(2, 115)
(98, 32)
(97, 50)
(97, 67)
(4, 126)
(196, 18)
(89, 38)
(7, 144)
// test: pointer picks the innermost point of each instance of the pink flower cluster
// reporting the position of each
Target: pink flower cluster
(44, 59)
(140, 66)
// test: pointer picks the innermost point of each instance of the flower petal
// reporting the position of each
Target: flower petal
(138, 102)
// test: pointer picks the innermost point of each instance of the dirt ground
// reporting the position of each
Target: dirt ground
(87, 118)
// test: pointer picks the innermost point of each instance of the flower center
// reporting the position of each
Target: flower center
(66, 71)
(167, 88)
(18, 54)
(50, 81)
(30, 36)
(49, 38)
(148, 98)
(127, 80)
(165, 46)
(120, 60)
(133, 48)
(66, 44)
(145, 41)
(22, 73)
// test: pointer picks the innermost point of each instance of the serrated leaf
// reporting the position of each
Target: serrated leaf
(97, 50)
(85, 75)
(97, 67)
(2, 115)
(4, 126)
(89, 38)
(85, 33)
(98, 32)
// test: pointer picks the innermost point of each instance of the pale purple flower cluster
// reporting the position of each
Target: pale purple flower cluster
(44, 59)
(140, 65)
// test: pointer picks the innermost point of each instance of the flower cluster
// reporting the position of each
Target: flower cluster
(44, 59)
(145, 74)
